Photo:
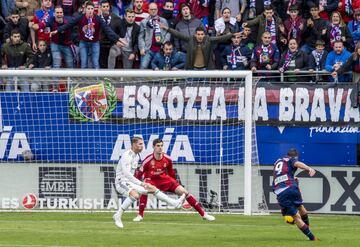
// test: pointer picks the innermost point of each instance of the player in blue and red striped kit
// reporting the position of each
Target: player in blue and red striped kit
(287, 190)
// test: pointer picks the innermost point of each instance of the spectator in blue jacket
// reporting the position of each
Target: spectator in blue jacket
(237, 55)
(354, 27)
(336, 59)
(168, 58)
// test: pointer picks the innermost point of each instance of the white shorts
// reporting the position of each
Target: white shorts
(124, 188)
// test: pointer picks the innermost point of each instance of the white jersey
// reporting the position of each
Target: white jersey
(126, 167)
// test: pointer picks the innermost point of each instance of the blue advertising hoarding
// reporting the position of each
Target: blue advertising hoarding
(42, 123)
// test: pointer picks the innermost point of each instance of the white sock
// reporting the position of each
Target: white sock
(126, 204)
(163, 197)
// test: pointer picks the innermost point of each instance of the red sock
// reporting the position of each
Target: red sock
(192, 201)
(142, 205)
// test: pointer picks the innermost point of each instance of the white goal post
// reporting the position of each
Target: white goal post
(69, 76)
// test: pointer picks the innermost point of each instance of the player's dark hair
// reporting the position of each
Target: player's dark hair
(89, 3)
(135, 139)
(129, 11)
(268, 7)
(292, 152)
(222, 12)
(156, 141)
(200, 29)
(14, 31)
(15, 11)
(105, 1)
(167, 43)
(168, 1)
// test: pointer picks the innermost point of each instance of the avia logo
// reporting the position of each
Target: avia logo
(18, 142)
(15, 143)
(181, 147)
(29, 201)
(92, 103)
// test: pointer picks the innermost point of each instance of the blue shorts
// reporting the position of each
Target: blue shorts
(289, 201)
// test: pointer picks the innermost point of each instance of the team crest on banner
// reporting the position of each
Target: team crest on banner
(93, 103)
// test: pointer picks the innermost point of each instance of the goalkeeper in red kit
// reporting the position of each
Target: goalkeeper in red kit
(157, 169)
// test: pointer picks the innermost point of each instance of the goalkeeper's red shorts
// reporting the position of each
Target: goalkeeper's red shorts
(163, 183)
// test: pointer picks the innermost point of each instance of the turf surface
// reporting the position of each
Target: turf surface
(97, 229)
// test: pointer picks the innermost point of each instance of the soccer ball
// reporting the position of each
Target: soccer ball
(289, 219)
(27, 155)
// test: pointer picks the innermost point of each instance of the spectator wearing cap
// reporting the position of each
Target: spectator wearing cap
(186, 26)
(313, 28)
(318, 57)
(294, 25)
(354, 27)
(317, 60)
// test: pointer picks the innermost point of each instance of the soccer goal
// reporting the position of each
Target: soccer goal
(59, 149)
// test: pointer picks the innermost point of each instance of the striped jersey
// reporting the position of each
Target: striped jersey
(283, 174)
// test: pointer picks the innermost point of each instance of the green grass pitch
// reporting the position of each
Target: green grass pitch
(34, 229)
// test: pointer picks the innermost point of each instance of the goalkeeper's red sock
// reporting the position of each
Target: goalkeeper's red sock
(195, 204)
(142, 204)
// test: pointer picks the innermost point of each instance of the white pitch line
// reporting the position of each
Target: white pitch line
(212, 224)
(36, 245)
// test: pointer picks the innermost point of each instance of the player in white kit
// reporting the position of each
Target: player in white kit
(129, 186)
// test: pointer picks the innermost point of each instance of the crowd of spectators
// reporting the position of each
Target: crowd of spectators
(270, 35)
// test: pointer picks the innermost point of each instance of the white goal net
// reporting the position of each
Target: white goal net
(59, 149)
